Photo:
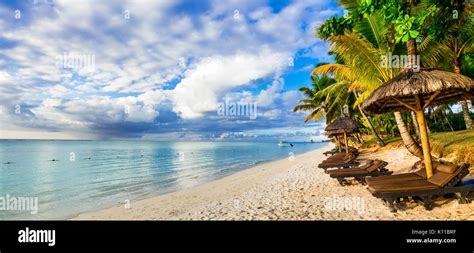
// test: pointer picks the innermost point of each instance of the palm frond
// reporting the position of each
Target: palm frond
(374, 28)
(305, 107)
(360, 53)
(315, 115)
(307, 91)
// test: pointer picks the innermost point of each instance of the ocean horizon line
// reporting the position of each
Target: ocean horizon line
(142, 140)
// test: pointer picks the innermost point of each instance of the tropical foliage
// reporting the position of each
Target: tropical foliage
(325, 98)
(440, 31)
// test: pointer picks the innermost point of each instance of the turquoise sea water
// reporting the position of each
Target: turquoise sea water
(70, 177)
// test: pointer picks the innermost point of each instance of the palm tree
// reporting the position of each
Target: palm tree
(363, 52)
(326, 98)
(336, 97)
(455, 46)
(385, 123)
(440, 116)
(347, 73)
(317, 106)
(365, 74)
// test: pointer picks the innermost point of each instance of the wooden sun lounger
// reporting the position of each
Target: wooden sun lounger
(353, 150)
(336, 151)
(417, 175)
(447, 179)
(338, 156)
(335, 157)
(346, 161)
(331, 152)
(372, 168)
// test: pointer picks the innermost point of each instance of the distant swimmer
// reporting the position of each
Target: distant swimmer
(8, 163)
(53, 160)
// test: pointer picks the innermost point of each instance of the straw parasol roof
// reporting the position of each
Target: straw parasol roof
(340, 132)
(343, 123)
(417, 90)
(434, 87)
(343, 126)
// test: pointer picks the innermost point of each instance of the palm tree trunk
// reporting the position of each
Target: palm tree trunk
(371, 128)
(408, 141)
(449, 124)
(369, 124)
(412, 53)
(464, 105)
(467, 117)
(326, 114)
(415, 123)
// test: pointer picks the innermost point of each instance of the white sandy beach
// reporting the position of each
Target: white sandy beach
(288, 189)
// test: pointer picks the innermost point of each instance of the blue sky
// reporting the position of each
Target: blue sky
(158, 70)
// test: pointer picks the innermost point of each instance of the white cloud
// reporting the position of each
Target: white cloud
(199, 91)
(141, 56)
(58, 91)
(113, 110)
(271, 114)
(313, 132)
(268, 96)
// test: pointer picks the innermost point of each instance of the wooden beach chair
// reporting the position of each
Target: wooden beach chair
(343, 151)
(339, 155)
(419, 173)
(335, 158)
(331, 152)
(346, 161)
(447, 179)
(372, 168)
(353, 151)
(339, 158)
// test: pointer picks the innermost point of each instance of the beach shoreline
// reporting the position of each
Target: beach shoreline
(287, 189)
(267, 166)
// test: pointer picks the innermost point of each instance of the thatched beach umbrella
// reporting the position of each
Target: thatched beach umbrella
(416, 91)
(337, 134)
(343, 125)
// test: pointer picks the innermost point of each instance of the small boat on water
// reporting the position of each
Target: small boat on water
(284, 144)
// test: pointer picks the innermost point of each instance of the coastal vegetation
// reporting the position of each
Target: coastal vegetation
(457, 146)
(368, 43)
